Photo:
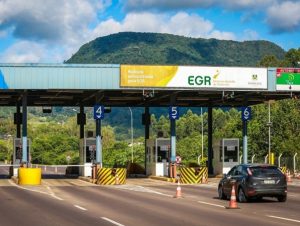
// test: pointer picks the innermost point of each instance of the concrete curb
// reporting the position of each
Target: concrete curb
(86, 179)
(173, 180)
(15, 179)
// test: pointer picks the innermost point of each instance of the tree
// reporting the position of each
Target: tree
(269, 61)
(292, 58)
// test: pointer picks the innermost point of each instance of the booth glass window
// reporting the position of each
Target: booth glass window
(230, 154)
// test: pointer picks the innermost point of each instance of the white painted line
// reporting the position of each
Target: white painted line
(41, 192)
(27, 189)
(211, 204)
(56, 197)
(81, 208)
(111, 221)
(282, 218)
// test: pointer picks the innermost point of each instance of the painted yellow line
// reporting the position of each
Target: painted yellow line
(211, 204)
(111, 221)
(282, 218)
(80, 207)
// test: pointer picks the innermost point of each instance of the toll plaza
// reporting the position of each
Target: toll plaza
(101, 86)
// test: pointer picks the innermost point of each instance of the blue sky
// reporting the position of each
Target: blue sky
(50, 31)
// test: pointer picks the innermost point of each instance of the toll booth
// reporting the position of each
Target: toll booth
(87, 156)
(18, 153)
(226, 155)
(158, 154)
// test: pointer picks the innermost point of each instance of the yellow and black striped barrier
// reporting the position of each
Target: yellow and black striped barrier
(193, 175)
(111, 176)
(283, 169)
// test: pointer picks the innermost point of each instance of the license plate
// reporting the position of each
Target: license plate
(269, 181)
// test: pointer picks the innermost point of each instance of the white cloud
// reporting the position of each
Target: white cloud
(22, 52)
(250, 35)
(55, 20)
(50, 27)
(34, 52)
(284, 17)
(189, 25)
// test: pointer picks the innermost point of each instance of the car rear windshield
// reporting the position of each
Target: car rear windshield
(265, 171)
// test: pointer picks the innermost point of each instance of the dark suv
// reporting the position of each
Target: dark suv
(254, 181)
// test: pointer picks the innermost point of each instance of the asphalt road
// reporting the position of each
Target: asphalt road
(139, 202)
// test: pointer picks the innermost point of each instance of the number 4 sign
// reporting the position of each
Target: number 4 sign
(98, 112)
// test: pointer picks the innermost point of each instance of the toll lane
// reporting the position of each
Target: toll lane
(74, 202)
(135, 205)
(24, 207)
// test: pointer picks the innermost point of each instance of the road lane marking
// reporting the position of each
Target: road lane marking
(81, 208)
(139, 188)
(56, 197)
(211, 204)
(111, 221)
(27, 189)
(41, 192)
(282, 218)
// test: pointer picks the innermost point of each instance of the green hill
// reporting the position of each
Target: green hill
(153, 48)
(157, 49)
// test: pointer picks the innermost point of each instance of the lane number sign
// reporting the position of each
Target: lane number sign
(246, 113)
(98, 112)
(173, 113)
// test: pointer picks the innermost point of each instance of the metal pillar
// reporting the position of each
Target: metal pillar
(18, 121)
(147, 132)
(81, 129)
(245, 142)
(210, 149)
(172, 165)
(98, 143)
(131, 129)
(269, 125)
(24, 129)
(173, 140)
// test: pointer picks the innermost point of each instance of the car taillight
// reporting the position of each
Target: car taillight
(249, 172)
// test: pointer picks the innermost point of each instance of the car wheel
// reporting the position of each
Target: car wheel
(281, 198)
(241, 195)
(221, 193)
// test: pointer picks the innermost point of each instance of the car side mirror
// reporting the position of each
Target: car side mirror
(228, 176)
(224, 175)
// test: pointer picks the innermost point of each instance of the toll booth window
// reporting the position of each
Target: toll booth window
(90, 155)
(230, 154)
(221, 155)
(162, 153)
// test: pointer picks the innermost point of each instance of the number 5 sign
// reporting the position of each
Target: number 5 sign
(173, 113)
(98, 112)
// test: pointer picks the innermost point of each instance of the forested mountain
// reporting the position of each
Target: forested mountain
(160, 49)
